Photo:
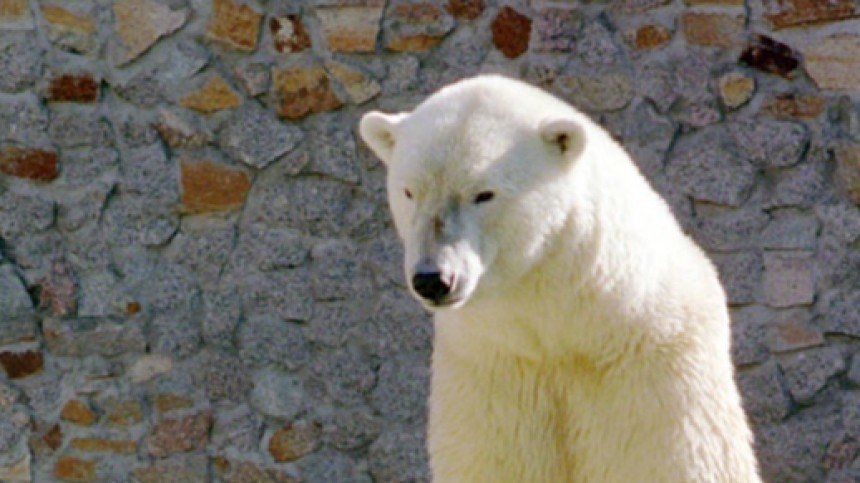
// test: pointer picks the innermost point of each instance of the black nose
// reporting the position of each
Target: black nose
(430, 285)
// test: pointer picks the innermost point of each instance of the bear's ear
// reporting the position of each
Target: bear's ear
(564, 133)
(377, 130)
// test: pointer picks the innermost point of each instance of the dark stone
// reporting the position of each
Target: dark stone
(771, 56)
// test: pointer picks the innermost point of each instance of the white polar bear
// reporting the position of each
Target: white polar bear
(580, 335)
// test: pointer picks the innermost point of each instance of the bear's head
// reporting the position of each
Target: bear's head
(477, 184)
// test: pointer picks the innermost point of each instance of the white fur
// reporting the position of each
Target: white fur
(587, 339)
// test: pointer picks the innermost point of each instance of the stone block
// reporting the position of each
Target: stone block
(20, 62)
(724, 30)
(175, 334)
(787, 334)
(165, 403)
(511, 31)
(209, 187)
(403, 387)
(234, 25)
(265, 341)
(412, 26)
(15, 15)
(352, 428)
(749, 325)
(222, 376)
(841, 219)
(727, 230)
(289, 34)
(149, 366)
(73, 87)
(628, 7)
(771, 143)
(286, 294)
(839, 314)
(256, 77)
(256, 138)
(20, 364)
(741, 275)
(180, 131)
(22, 214)
(83, 337)
(29, 163)
(791, 233)
(141, 23)
(788, 278)
(556, 29)
(352, 28)
(16, 472)
(807, 372)
(70, 468)
(330, 465)
(801, 186)
(181, 435)
(215, 95)
(14, 299)
(400, 453)
(278, 395)
(69, 29)
(102, 445)
(762, 390)
(603, 93)
(78, 412)
(80, 129)
(236, 427)
(183, 469)
(346, 375)
(359, 86)
(303, 89)
(650, 36)
(796, 13)
(833, 62)
(136, 220)
(294, 440)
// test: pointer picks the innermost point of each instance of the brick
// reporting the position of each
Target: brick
(848, 170)
(651, 36)
(73, 88)
(58, 290)
(100, 445)
(29, 163)
(69, 30)
(234, 25)
(289, 34)
(171, 436)
(78, 412)
(294, 440)
(69, 468)
(788, 279)
(141, 23)
(415, 27)
(794, 13)
(302, 90)
(713, 29)
(357, 85)
(215, 95)
(736, 89)
(465, 9)
(208, 187)
(22, 364)
(771, 56)
(833, 62)
(511, 31)
(794, 105)
(351, 28)
(167, 402)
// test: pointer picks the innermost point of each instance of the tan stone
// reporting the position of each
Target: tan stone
(171, 436)
(167, 402)
(651, 36)
(208, 187)
(140, 23)
(69, 468)
(736, 89)
(101, 445)
(59, 17)
(793, 105)
(215, 95)
(848, 170)
(149, 366)
(15, 14)
(235, 25)
(788, 279)
(350, 29)
(293, 441)
(415, 27)
(360, 87)
(793, 13)
(302, 90)
(739, 3)
(834, 62)
(123, 413)
(787, 336)
(713, 29)
(76, 411)
(17, 472)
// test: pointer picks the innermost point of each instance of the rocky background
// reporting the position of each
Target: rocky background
(199, 280)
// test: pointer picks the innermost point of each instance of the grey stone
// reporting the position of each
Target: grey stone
(801, 186)
(741, 275)
(648, 135)
(185, 59)
(269, 249)
(97, 294)
(347, 374)
(222, 375)
(352, 428)
(84, 166)
(237, 428)
(143, 89)
(256, 77)
(791, 451)
(704, 167)
(136, 219)
(178, 469)
(807, 372)
(256, 138)
(726, 230)
(83, 128)
(384, 255)
(749, 325)
(20, 61)
(82, 208)
(397, 324)
(337, 272)
(597, 46)
(403, 387)
(853, 374)
(266, 340)
(135, 132)
(771, 143)
(656, 82)
(85, 336)
(330, 465)
(23, 119)
(13, 432)
(277, 395)
(839, 312)
(17, 329)
(556, 29)
(764, 397)
(837, 264)
(203, 247)
(333, 322)
(333, 149)
(14, 299)
(851, 410)
(149, 171)
(176, 334)
(87, 249)
(791, 231)
(843, 220)
(788, 278)
(699, 113)
(597, 93)
(286, 294)
(77, 41)
(400, 455)
(403, 75)
(222, 309)
(22, 214)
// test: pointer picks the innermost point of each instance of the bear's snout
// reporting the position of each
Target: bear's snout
(431, 284)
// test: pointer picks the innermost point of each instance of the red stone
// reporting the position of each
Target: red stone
(465, 9)
(74, 88)
(34, 164)
(53, 437)
(58, 291)
(21, 364)
(511, 31)
(289, 38)
(768, 55)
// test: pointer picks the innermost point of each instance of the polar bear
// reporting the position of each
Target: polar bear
(580, 336)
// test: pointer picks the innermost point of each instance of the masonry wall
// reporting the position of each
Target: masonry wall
(199, 280)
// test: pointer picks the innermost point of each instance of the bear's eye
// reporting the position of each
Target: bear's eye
(484, 196)
(407, 193)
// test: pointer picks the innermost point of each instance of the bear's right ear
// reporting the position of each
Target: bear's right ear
(564, 133)
(377, 130)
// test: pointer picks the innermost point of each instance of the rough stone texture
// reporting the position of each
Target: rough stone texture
(194, 242)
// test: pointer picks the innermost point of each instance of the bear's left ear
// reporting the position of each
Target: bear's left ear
(564, 133)
(378, 131)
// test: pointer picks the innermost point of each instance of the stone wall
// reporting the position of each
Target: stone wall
(198, 276)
